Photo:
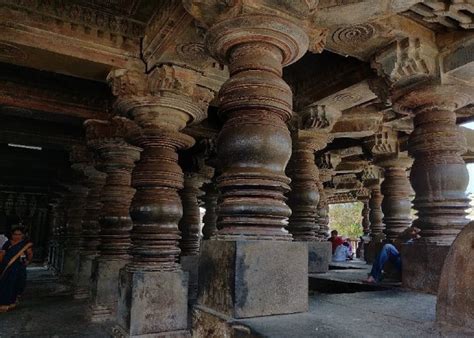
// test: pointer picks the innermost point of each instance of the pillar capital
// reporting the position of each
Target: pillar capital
(283, 24)
(434, 98)
(167, 98)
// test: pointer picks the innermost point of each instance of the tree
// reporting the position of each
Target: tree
(346, 219)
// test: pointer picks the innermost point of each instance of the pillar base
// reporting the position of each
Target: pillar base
(243, 279)
(83, 283)
(190, 264)
(422, 265)
(104, 295)
(319, 256)
(153, 304)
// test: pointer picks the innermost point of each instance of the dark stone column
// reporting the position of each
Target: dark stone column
(75, 212)
(312, 127)
(396, 189)
(365, 218)
(254, 147)
(116, 159)
(438, 176)
(210, 199)
(161, 104)
(189, 225)
(375, 214)
(90, 231)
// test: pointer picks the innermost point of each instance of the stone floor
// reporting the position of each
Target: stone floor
(49, 311)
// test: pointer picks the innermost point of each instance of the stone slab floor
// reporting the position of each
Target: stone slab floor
(48, 310)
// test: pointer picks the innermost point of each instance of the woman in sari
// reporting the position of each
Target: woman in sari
(15, 255)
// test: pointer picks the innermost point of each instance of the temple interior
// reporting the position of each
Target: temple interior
(174, 164)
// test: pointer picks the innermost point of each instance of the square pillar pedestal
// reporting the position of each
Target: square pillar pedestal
(319, 256)
(190, 264)
(244, 279)
(153, 304)
(422, 265)
(104, 293)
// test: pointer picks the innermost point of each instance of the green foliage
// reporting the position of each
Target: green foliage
(346, 219)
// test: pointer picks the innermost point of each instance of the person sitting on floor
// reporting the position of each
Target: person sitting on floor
(335, 240)
(342, 253)
(390, 253)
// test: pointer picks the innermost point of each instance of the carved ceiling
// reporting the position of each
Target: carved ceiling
(55, 56)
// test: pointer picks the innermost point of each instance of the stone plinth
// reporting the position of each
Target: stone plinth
(455, 294)
(153, 303)
(190, 264)
(244, 279)
(319, 256)
(422, 265)
(105, 288)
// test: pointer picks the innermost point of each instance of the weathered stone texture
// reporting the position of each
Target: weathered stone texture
(153, 302)
(237, 278)
(422, 265)
(319, 256)
(455, 304)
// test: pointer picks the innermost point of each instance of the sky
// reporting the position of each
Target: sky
(470, 167)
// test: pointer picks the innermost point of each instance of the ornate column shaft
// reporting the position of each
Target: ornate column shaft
(254, 145)
(326, 164)
(396, 189)
(365, 218)
(312, 135)
(75, 212)
(210, 199)
(116, 159)
(375, 214)
(90, 231)
(161, 104)
(255, 39)
(438, 176)
(190, 222)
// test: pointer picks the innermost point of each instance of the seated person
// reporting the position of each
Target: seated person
(335, 240)
(390, 253)
(342, 253)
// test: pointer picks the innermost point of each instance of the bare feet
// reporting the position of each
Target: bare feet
(371, 280)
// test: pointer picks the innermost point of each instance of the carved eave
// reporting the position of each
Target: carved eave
(57, 38)
(53, 94)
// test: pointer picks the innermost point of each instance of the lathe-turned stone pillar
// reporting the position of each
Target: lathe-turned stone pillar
(327, 163)
(396, 190)
(75, 211)
(90, 231)
(161, 104)
(116, 159)
(375, 214)
(439, 178)
(365, 218)
(210, 199)
(254, 147)
(189, 223)
(313, 126)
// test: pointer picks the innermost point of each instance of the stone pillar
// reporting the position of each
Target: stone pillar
(153, 287)
(90, 231)
(254, 147)
(375, 214)
(327, 163)
(365, 218)
(116, 159)
(75, 212)
(396, 189)
(313, 126)
(189, 225)
(439, 178)
(210, 198)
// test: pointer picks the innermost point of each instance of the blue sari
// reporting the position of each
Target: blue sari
(12, 273)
